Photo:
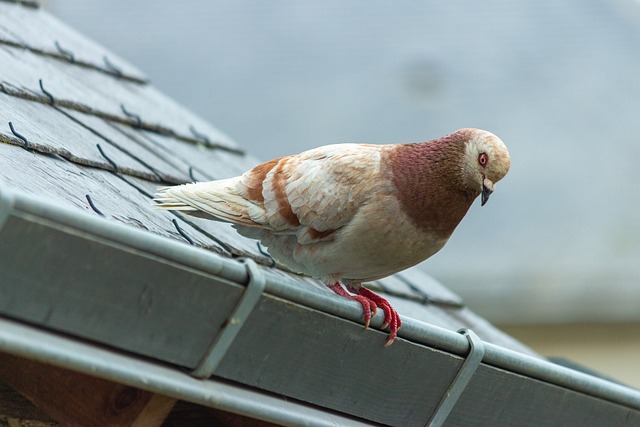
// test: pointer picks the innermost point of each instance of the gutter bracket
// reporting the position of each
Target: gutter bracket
(462, 378)
(223, 341)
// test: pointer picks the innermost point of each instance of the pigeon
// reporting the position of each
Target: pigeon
(354, 213)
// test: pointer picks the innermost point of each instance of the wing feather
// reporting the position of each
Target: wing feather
(327, 186)
(311, 196)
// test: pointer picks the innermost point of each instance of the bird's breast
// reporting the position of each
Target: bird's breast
(379, 241)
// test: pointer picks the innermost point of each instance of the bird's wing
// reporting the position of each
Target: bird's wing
(312, 195)
(324, 188)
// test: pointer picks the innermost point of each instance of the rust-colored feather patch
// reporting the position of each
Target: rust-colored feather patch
(429, 183)
(279, 183)
(254, 180)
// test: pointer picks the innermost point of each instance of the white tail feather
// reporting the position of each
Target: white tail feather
(218, 199)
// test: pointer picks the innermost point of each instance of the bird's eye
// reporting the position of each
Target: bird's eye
(483, 159)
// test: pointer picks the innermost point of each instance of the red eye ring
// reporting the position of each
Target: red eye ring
(483, 159)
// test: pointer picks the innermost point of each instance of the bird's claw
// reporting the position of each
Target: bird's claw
(369, 307)
(391, 316)
(370, 302)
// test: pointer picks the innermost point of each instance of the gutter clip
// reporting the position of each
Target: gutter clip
(223, 341)
(462, 378)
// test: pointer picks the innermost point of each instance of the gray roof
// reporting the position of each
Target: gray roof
(557, 81)
(141, 295)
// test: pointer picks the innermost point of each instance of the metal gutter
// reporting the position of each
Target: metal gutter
(35, 344)
(166, 250)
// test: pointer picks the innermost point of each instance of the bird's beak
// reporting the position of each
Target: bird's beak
(487, 189)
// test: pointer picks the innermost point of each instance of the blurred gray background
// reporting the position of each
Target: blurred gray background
(559, 82)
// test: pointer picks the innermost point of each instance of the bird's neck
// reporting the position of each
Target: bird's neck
(428, 178)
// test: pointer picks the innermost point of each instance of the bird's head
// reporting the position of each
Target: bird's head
(486, 161)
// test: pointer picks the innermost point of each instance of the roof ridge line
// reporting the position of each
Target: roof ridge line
(134, 122)
(68, 57)
(40, 148)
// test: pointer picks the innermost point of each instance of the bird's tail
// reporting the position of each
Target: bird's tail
(213, 200)
(165, 199)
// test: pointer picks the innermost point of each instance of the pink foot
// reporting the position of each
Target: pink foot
(370, 302)
(368, 306)
(391, 316)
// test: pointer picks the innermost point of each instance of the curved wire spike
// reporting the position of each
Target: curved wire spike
(95, 209)
(202, 137)
(131, 115)
(115, 167)
(46, 92)
(265, 253)
(182, 233)
(112, 68)
(193, 178)
(70, 56)
(26, 145)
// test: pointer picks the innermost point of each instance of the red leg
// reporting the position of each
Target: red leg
(370, 302)
(368, 306)
(391, 316)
